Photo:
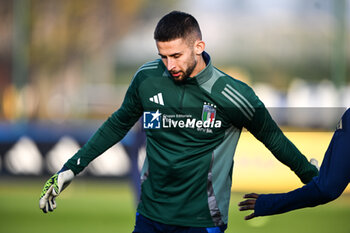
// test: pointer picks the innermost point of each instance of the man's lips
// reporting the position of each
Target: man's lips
(176, 74)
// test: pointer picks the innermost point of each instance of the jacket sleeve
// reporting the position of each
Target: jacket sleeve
(111, 131)
(333, 178)
(264, 128)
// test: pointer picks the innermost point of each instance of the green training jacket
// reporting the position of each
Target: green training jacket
(192, 132)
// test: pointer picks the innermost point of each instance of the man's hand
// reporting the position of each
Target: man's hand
(248, 204)
(52, 188)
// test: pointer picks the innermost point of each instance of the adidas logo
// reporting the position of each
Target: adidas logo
(158, 99)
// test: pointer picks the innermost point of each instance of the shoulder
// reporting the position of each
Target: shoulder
(151, 67)
(235, 95)
(233, 89)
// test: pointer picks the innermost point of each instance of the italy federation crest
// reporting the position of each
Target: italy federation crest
(208, 112)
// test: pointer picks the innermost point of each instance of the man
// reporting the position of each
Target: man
(193, 116)
(333, 178)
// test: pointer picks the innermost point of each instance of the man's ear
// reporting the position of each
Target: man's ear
(199, 47)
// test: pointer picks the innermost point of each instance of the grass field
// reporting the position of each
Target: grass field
(108, 206)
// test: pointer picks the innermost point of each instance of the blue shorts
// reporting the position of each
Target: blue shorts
(146, 225)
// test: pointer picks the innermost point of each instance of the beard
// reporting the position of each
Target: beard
(184, 75)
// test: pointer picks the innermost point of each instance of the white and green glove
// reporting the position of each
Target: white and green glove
(53, 187)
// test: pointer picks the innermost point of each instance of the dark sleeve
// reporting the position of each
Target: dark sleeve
(333, 178)
(111, 131)
(264, 128)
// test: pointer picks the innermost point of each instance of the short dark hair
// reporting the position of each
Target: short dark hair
(177, 25)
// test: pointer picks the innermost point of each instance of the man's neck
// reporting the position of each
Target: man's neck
(199, 67)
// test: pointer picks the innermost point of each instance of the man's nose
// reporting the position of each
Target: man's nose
(171, 64)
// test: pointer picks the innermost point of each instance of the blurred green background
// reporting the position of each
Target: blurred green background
(107, 206)
(64, 60)
(68, 63)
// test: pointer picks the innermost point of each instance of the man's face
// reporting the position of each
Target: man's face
(179, 58)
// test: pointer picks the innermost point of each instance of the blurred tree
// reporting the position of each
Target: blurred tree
(5, 40)
(72, 41)
(5, 48)
(66, 31)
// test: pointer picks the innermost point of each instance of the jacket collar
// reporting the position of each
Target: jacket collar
(207, 72)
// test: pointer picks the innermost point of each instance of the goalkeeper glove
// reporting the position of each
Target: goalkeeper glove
(53, 187)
